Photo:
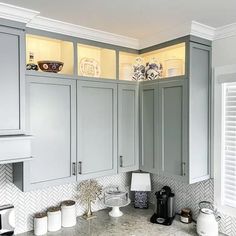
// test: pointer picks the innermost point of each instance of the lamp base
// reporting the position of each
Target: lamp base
(141, 199)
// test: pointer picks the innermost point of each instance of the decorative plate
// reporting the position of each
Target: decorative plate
(89, 67)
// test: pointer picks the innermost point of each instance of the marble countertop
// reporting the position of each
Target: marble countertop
(134, 222)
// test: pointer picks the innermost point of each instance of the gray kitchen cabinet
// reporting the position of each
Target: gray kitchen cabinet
(172, 128)
(11, 81)
(148, 127)
(51, 119)
(96, 129)
(199, 112)
(128, 128)
(175, 121)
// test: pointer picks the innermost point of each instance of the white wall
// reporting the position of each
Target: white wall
(224, 51)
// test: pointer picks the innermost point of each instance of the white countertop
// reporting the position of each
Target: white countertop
(134, 222)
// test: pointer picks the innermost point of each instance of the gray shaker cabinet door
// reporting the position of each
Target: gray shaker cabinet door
(148, 127)
(11, 81)
(97, 129)
(128, 135)
(173, 128)
(200, 64)
(51, 119)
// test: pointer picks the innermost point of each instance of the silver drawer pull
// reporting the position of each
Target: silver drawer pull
(183, 168)
(74, 168)
(80, 167)
(121, 161)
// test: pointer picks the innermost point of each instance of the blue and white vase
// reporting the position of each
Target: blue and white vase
(139, 69)
(153, 70)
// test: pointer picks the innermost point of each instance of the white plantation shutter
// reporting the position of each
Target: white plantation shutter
(229, 145)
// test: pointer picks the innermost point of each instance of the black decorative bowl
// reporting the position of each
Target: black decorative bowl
(51, 66)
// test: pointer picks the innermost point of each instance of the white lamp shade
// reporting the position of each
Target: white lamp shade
(140, 182)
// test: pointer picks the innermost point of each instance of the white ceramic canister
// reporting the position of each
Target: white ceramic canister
(68, 213)
(54, 219)
(40, 224)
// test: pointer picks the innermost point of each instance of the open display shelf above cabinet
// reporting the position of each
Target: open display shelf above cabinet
(96, 62)
(40, 48)
(156, 64)
(126, 65)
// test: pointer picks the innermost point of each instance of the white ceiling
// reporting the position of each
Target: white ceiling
(134, 18)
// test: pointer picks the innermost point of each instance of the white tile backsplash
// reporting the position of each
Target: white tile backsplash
(27, 204)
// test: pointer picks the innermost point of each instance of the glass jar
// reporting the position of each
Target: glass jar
(186, 216)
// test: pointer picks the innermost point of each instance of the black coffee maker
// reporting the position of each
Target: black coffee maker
(165, 207)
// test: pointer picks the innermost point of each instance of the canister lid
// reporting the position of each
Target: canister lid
(40, 215)
(68, 203)
(186, 210)
(54, 209)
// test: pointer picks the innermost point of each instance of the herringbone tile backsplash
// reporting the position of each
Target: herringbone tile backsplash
(27, 204)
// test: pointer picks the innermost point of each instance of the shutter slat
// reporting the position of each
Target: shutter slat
(229, 142)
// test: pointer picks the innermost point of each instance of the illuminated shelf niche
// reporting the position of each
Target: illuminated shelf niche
(96, 62)
(172, 59)
(126, 62)
(44, 48)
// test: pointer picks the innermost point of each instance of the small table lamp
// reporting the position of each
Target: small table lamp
(141, 184)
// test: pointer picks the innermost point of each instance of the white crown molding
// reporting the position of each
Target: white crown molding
(193, 28)
(56, 26)
(225, 31)
(33, 20)
(202, 31)
(166, 35)
(15, 13)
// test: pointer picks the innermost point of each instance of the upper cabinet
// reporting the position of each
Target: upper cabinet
(50, 50)
(175, 120)
(96, 129)
(11, 81)
(172, 128)
(149, 144)
(51, 119)
(96, 62)
(128, 127)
